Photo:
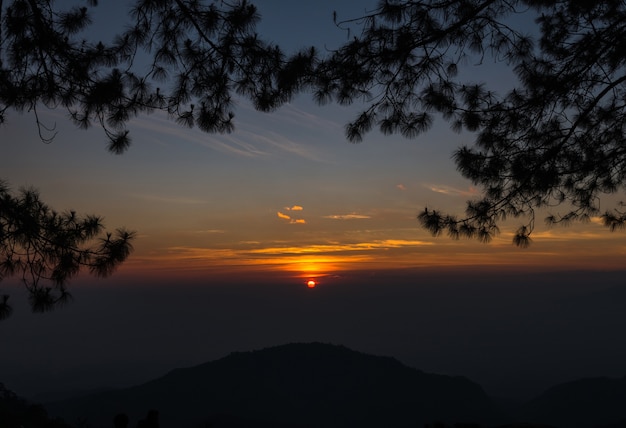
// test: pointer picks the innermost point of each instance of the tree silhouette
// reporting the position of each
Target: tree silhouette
(554, 140)
(15, 412)
(206, 54)
(46, 248)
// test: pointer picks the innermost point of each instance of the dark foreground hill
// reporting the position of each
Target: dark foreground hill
(15, 412)
(296, 385)
(584, 403)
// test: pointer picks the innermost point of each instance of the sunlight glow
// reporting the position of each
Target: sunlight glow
(304, 261)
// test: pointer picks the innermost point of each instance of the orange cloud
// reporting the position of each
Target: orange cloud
(597, 220)
(291, 220)
(401, 186)
(384, 244)
(283, 216)
(294, 208)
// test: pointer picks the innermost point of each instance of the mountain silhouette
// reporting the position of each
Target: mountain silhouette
(585, 403)
(294, 385)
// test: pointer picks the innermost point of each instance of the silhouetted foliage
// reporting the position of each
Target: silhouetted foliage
(16, 412)
(205, 53)
(555, 139)
(46, 248)
(120, 420)
(151, 421)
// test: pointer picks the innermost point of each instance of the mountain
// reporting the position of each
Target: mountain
(584, 403)
(296, 385)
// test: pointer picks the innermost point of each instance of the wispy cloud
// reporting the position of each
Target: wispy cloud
(170, 200)
(452, 191)
(224, 143)
(384, 244)
(346, 216)
(401, 186)
(294, 208)
(247, 142)
(289, 113)
(277, 254)
(573, 234)
(234, 145)
(278, 143)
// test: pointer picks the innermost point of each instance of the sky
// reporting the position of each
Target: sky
(230, 228)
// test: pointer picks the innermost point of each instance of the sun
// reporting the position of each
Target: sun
(311, 284)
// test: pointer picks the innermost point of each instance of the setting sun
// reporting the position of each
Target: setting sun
(311, 284)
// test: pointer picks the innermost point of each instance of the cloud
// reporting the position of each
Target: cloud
(283, 216)
(346, 216)
(280, 144)
(571, 235)
(159, 123)
(248, 142)
(597, 220)
(453, 191)
(401, 186)
(170, 200)
(301, 257)
(384, 244)
(294, 208)
(291, 220)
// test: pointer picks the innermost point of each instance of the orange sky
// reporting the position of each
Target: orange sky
(584, 246)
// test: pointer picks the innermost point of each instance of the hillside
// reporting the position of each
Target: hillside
(584, 403)
(295, 385)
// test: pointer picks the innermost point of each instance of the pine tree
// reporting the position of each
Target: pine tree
(555, 139)
(46, 249)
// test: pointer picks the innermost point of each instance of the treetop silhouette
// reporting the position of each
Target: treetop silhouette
(555, 139)
(201, 55)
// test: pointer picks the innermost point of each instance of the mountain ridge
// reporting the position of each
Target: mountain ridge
(305, 384)
(581, 403)
(310, 385)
